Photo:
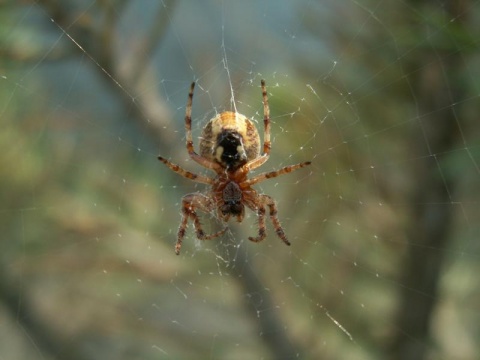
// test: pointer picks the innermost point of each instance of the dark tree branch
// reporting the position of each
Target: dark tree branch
(150, 43)
(436, 86)
(149, 113)
(272, 331)
(47, 339)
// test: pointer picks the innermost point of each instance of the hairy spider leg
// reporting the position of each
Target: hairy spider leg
(189, 203)
(268, 175)
(267, 145)
(251, 165)
(262, 228)
(188, 128)
(265, 200)
(187, 174)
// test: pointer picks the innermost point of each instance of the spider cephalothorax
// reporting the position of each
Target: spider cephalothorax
(230, 146)
(232, 202)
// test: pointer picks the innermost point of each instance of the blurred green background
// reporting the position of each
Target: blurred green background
(382, 96)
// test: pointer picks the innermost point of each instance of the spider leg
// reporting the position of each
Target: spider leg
(262, 229)
(251, 165)
(265, 200)
(189, 203)
(185, 173)
(264, 176)
(273, 217)
(267, 145)
(188, 128)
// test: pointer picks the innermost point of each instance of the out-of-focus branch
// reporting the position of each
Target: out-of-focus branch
(148, 112)
(45, 338)
(273, 332)
(147, 47)
(436, 86)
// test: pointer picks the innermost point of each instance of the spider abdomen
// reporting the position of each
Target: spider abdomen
(230, 139)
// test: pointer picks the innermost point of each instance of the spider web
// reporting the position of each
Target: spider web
(382, 96)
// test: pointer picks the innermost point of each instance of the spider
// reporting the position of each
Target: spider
(230, 146)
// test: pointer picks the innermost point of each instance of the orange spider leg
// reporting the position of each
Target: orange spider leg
(189, 203)
(264, 176)
(251, 165)
(273, 217)
(265, 200)
(262, 228)
(185, 173)
(209, 164)
(267, 145)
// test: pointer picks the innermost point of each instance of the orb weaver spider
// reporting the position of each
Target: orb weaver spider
(230, 146)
